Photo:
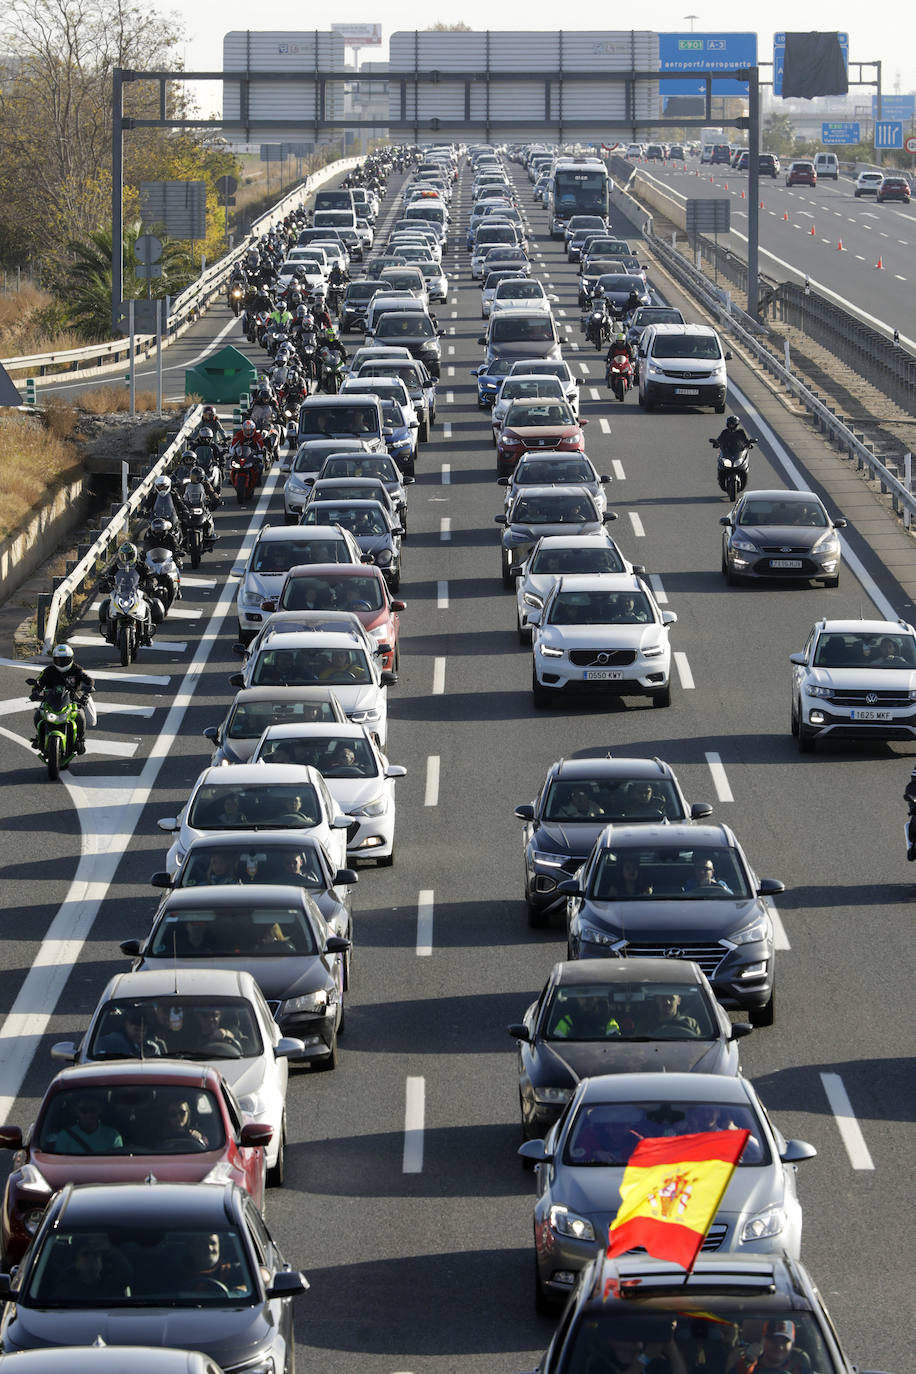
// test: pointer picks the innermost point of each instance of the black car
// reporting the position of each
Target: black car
(786, 536)
(158, 1264)
(577, 799)
(599, 1016)
(768, 165)
(678, 892)
(708, 1312)
(411, 329)
(352, 313)
(617, 287)
(275, 933)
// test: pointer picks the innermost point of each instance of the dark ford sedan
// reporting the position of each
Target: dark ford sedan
(894, 188)
(616, 288)
(783, 535)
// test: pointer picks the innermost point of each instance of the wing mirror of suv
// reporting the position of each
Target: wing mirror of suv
(799, 660)
(518, 1032)
(481, 340)
(728, 355)
(237, 680)
(239, 650)
(131, 948)
(769, 887)
(570, 887)
(525, 812)
(536, 1151)
(725, 520)
(499, 520)
(699, 810)
(609, 517)
(739, 1030)
(161, 880)
(212, 734)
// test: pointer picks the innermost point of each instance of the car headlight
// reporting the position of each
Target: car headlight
(828, 543)
(759, 929)
(251, 599)
(546, 651)
(743, 545)
(567, 1223)
(552, 1097)
(262, 1364)
(376, 807)
(310, 1002)
(255, 1104)
(767, 1223)
(370, 716)
(593, 936)
(654, 370)
(530, 599)
(540, 856)
(382, 558)
(819, 691)
(654, 651)
(380, 633)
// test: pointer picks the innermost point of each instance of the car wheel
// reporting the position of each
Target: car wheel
(793, 724)
(538, 918)
(765, 1015)
(720, 410)
(395, 583)
(540, 697)
(524, 634)
(662, 698)
(506, 575)
(805, 739)
(423, 432)
(543, 1303)
(276, 1174)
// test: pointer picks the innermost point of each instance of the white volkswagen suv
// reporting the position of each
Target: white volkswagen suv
(855, 678)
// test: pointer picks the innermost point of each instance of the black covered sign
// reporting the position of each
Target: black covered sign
(814, 66)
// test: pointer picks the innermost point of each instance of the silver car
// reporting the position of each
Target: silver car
(542, 367)
(581, 1163)
(556, 469)
(556, 555)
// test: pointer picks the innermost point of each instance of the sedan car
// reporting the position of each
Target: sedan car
(687, 888)
(867, 183)
(350, 488)
(525, 291)
(535, 469)
(522, 387)
(537, 425)
(117, 1123)
(305, 467)
(420, 386)
(581, 1163)
(893, 188)
(602, 635)
(206, 1016)
(855, 679)
(359, 778)
(537, 511)
(604, 1016)
(275, 551)
(781, 535)
(254, 708)
(274, 932)
(577, 799)
(361, 590)
(801, 173)
(155, 1263)
(617, 288)
(503, 256)
(550, 367)
(373, 465)
(375, 530)
(491, 281)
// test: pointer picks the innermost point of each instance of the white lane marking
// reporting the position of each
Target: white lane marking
(164, 646)
(451, 350)
(454, 314)
(683, 672)
(719, 778)
(898, 277)
(594, 393)
(450, 371)
(780, 938)
(442, 596)
(661, 596)
(446, 474)
(562, 314)
(849, 1128)
(851, 559)
(450, 398)
(604, 424)
(574, 346)
(445, 528)
(115, 748)
(438, 677)
(431, 796)
(451, 327)
(9, 708)
(617, 469)
(586, 370)
(192, 581)
(425, 922)
(637, 524)
(414, 1116)
(446, 429)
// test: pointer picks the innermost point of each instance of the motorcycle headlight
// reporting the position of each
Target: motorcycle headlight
(56, 717)
(759, 929)
(767, 1223)
(376, 807)
(567, 1223)
(314, 1002)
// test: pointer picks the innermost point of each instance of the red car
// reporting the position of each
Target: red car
(894, 188)
(801, 174)
(119, 1122)
(537, 426)
(356, 587)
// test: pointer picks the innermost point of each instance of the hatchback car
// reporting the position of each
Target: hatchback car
(414, 330)
(537, 511)
(781, 535)
(140, 1263)
(550, 367)
(577, 799)
(373, 465)
(618, 287)
(253, 709)
(360, 589)
(893, 188)
(581, 1163)
(606, 1016)
(374, 528)
(692, 891)
(304, 466)
(520, 388)
(801, 173)
(855, 679)
(538, 425)
(867, 183)
(521, 291)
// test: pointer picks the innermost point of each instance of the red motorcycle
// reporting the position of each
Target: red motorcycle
(245, 473)
(620, 374)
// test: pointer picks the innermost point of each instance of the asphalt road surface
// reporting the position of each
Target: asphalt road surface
(405, 1202)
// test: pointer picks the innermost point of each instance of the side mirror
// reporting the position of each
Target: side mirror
(288, 1283)
(475, 371)
(336, 944)
(240, 650)
(10, 1137)
(131, 948)
(840, 523)
(237, 680)
(739, 1030)
(769, 887)
(64, 1051)
(536, 1151)
(482, 338)
(161, 880)
(345, 877)
(499, 520)
(212, 734)
(609, 517)
(169, 824)
(583, 423)
(604, 479)
(341, 822)
(502, 481)
(395, 770)
(699, 810)
(725, 520)
(669, 617)
(519, 1032)
(796, 1151)
(728, 355)
(525, 812)
(407, 481)
(255, 1133)
(288, 1048)
(399, 605)
(389, 678)
(799, 660)
(639, 568)
(570, 887)
(6, 1286)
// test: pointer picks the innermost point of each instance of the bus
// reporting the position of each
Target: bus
(578, 186)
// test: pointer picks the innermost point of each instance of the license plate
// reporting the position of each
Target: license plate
(602, 675)
(785, 562)
(869, 715)
(686, 391)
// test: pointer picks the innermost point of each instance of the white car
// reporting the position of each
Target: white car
(366, 233)
(559, 555)
(522, 291)
(855, 679)
(524, 386)
(279, 548)
(602, 635)
(359, 778)
(867, 183)
(335, 660)
(542, 367)
(242, 797)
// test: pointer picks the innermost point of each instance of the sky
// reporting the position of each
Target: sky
(881, 31)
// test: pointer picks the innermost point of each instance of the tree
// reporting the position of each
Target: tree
(88, 303)
(439, 27)
(779, 135)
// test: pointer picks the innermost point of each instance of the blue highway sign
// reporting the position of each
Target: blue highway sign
(838, 131)
(888, 133)
(705, 52)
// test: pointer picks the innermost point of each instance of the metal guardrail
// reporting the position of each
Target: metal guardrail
(52, 605)
(185, 308)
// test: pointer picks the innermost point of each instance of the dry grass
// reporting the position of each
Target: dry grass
(33, 460)
(115, 400)
(24, 325)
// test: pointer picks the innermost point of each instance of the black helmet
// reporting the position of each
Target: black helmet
(731, 422)
(159, 528)
(197, 474)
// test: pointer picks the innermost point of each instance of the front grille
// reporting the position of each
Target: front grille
(715, 1236)
(610, 658)
(869, 697)
(778, 550)
(687, 376)
(709, 957)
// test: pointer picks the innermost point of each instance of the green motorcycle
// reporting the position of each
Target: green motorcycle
(56, 728)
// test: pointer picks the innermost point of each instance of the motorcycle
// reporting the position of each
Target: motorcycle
(163, 572)
(732, 469)
(127, 620)
(244, 473)
(258, 326)
(598, 326)
(236, 297)
(332, 370)
(620, 375)
(198, 535)
(56, 727)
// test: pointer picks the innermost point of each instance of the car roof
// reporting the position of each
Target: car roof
(866, 626)
(115, 1359)
(328, 402)
(539, 491)
(283, 534)
(169, 1204)
(307, 639)
(323, 532)
(244, 774)
(611, 766)
(574, 972)
(287, 838)
(315, 730)
(599, 538)
(302, 570)
(606, 581)
(689, 835)
(235, 894)
(312, 693)
(152, 1070)
(672, 328)
(682, 1087)
(177, 982)
(781, 494)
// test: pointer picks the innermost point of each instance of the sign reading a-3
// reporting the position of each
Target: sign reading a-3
(705, 52)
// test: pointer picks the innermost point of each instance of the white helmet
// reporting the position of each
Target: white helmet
(163, 485)
(62, 656)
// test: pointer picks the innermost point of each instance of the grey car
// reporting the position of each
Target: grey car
(581, 1163)
(692, 895)
(541, 510)
(375, 530)
(784, 536)
(254, 708)
(377, 465)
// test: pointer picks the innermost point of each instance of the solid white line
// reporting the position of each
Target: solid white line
(425, 922)
(637, 524)
(617, 469)
(780, 938)
(442, 596)
(683, 671)
(446, 474)
(719, 778)
(848, 1126)
(414, 1116)
(445, 528)
(594, 393)
(431, 797)
(661, 596)
(438, 677)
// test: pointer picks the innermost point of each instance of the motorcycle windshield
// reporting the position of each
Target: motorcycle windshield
(127, 583)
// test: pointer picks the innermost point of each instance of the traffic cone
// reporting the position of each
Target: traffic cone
(839, 246)
(761, 205)
(785, 214)
(743, 196)
(812, 229)
(726, 185)
(880, 264)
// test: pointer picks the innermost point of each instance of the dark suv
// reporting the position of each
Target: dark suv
(721, 1306)
(768, 165)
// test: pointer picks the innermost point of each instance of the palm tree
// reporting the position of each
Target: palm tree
(779, 134)
(89, 278)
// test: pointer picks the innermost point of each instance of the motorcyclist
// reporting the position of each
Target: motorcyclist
(64, 671)
(634, 301)
(321, 314)
(331, 341)
(336, 282)
(733, 439)
(161, 534)
(182, 472)
(127, 562)
(247, 433)
(208, 420)
(619, 347)
(263, 410)
(280, 319)
(164, 504)
(200, 493)
(909, 796)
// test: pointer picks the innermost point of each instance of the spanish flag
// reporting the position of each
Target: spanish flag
(670, 1193)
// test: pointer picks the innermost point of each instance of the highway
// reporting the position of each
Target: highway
(405, 1203)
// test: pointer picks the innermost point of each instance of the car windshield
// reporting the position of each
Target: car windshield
(413, 326)
(212, 932)
(278, 556)
(298, 667)
(600, 607)
(347, 421)
(136, 1118)
(211, 864)
(859, 650)
(534, 328)
(270, 805)
(489, 234)
(522, 289)
(543, 368)
(668, 872)
(514, 389)
(555, 508)
(525, 413)
(616, 281)
(601, 800)
(335, 756)
(628, 1011)
(808, 513)
(360, 593)
(687, 346)
(649, 314)
(703, 1327)
(250, 719)
(382, 468)
(589, 559)
(174, 1027)
(359, 520)
(607, 1133)
(140, 1266)
(542, 471)
(394, 416)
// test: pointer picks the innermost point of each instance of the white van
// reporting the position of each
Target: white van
(682, 365)
(826, 165)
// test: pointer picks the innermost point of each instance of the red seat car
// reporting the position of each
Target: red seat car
(801, 173)
(356, 587)
(119, 1122)
(537, 426)
(894, 188)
